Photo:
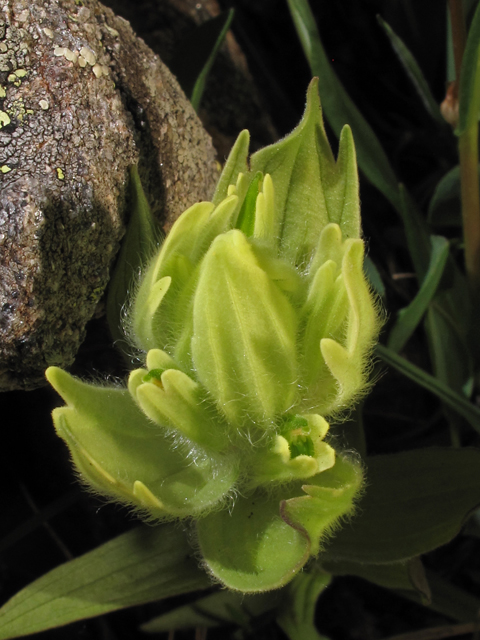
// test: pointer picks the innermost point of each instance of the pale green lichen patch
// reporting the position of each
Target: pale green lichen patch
(12, 78)
(60, 174)
(5, 168)
(100, 70)
(88, 55)
(4, 119)
(43, 104)
(48, 32)
(70, 55)
(112, 32)
(3, 93)
(17, 110)
(21, 73)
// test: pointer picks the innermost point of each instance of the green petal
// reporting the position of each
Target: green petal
(174, 400)
(346, 359)
(123, 455)
(243, 343)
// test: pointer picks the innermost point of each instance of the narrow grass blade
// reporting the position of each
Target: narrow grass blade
(196, 55)
(143, 565)
(138, 244)
(339, 108)
(372, 160)
(416, 232)
(410, 317)
(413, 71)
(404, 576)
(454, 400)
(444, 209)
(374, 277)
(448, 599)
(218, 609)
(469, 91)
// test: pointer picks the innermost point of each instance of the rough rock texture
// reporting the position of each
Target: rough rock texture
(81, 98)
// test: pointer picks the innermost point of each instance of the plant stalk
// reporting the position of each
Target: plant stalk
(459, 36)
(468, 155)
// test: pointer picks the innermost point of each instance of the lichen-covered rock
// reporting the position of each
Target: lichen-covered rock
(81, 99)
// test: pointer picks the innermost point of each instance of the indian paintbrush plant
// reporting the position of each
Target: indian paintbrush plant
(256, 325)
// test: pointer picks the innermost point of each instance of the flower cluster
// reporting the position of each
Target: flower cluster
(257, 323)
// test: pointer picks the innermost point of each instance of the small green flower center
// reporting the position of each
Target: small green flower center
(296, 432)
(155, 376)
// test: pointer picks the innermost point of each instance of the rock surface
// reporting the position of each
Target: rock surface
(81, 98)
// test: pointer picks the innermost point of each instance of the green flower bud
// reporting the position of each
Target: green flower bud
(111, 442)
(257, 324)
(244, 331)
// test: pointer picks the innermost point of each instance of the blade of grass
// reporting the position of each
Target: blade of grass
(221, 608)
(469, 107)
(454, 400)
(340, 110)
(138, 244)
(413, 71)
(196, 54)
(374, 277)
(410, 317)
(447, 599)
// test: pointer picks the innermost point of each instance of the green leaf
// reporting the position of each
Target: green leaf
(410, 317)
(140, 240)
(447, 599)
(339, 108)
(416, 501)
(447, 325)
(413, 71)
(449, 397)
(196, 54)
(373, 276)
(444, 209)
(215, 610)
(416, 231)
(403, 576)
(143, 565)
(297, 615)
(469, 90)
